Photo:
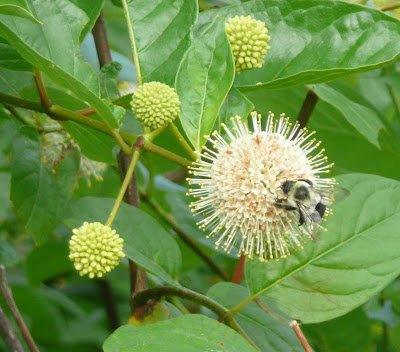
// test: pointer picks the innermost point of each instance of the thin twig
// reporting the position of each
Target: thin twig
(142, 297)
(391, 6)
(101, 42)
(187, 239)
(296, 327)
(110, 304)
(137, 275)
(182, 141)
(41, 88)
(167, 154)
(8, 333)
(307, 108)
(9, 299)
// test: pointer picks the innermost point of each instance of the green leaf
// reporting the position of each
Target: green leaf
(163, 30)
(12, 82)
(47, 261)
(18, 8)
(350, 332)
(4, 195)
(267, 332)
(94, 144)
(315, 41)
(8, 256)
(364, 119)
(188, 333)
(11, 60)
(146, 242)
(40, 44)
(203, 81)
(92, 9)
(343, 143)
(108, 80)
(352, 262)
(39, 196)
(236, 104)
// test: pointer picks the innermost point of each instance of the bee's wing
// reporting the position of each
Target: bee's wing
(335, 194)
(312, 219)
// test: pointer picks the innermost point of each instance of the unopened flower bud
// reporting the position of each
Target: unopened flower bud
(249, 41)
(156, 104)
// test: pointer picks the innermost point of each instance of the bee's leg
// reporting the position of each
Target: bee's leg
(302, 219)
(285, 206)
(320, 208)
(306, 181)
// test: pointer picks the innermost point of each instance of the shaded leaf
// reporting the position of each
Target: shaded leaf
(350, 332)
(11, 60)
(353, 261)
(92, 9)
(108, 80)
(39, 196)
(203, 81)
(315, 41)
(188, 333)
(47, 261)
(364, 119)
(8, 256)
(146, 242)
(268, 333)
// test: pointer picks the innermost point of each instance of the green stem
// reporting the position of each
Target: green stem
(166, 154)
(182, 141)
(133, 42)
(189, 241)
(56, 110)
(22, 103)
(124, 186)
(142, 297)
(178, 304)
(236, 309)
(391, 6)
(41, 88)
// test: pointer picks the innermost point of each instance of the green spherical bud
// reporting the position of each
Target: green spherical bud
(95, 249)
(155, 104)
(249, 42)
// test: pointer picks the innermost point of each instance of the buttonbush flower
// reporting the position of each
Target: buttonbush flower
(155, 104)
(241, 180)
(95, 249)
(249, 41)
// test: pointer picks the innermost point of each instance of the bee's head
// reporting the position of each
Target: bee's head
(287, 186)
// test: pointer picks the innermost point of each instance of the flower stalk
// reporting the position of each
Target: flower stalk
(182, 141)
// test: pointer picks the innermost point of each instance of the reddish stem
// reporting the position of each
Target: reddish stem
(296, 327)
(239, 271)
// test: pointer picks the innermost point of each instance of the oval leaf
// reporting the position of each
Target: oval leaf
(316, 41)
(363, 119)
(40, 197)
(188, 333)
(40, 45)
(203, 81)
(163, 31)
(353, 261)
(146, 242)
(268, 333)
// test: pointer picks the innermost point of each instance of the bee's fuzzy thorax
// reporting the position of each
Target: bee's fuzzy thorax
(240, 180)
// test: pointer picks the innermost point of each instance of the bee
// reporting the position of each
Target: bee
(311, 203)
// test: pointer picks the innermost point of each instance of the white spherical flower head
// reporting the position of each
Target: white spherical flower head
(95, 249)
(241, 194)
